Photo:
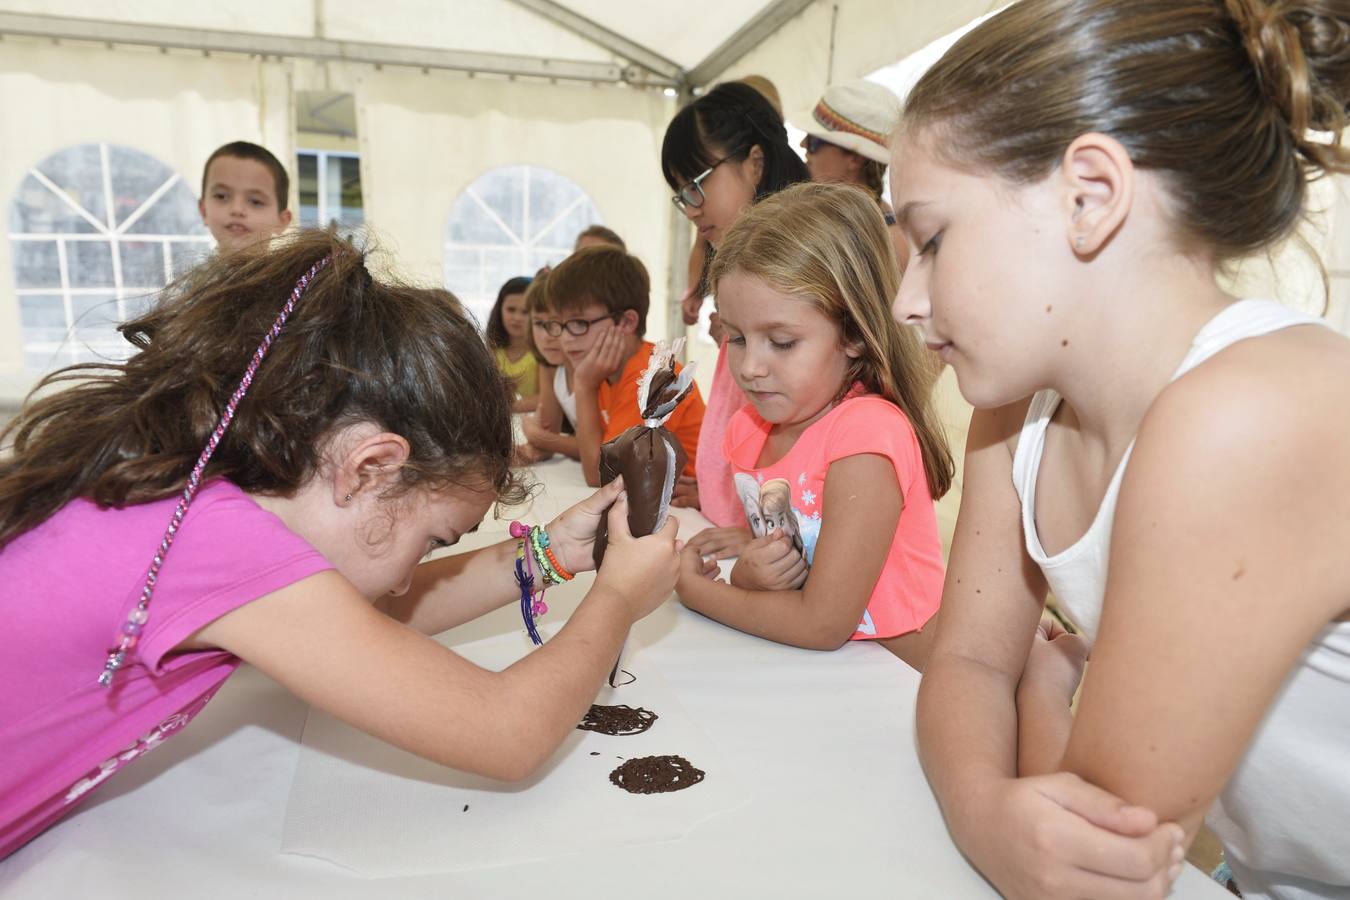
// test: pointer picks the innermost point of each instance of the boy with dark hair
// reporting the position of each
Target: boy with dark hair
(600, 295)
(244, 195)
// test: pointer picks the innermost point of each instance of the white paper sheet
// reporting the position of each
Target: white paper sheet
(370, 807)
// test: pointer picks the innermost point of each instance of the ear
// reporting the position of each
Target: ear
(285, 218)
(853, 350)
(628, 321)
(201, 208)
(755, 160)
(369, 465)
(1097, 189)
(856, 161)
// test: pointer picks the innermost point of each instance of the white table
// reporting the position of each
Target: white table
(839, 806)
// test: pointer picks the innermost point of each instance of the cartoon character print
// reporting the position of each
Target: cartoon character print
(768, 507)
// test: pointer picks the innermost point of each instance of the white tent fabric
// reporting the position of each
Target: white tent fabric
(594, 111)
(449, 130)
(168, 106)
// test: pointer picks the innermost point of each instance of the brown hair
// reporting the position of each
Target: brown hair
(827, 244)
(601, 233)
(1215, 95)
(245, 150)
(606, 275)
(874, 177)
(537, 302)
(354, 350)
(495, 331)
(766, 89)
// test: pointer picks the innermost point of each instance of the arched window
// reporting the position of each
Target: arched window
(511, 221)
(95, 231)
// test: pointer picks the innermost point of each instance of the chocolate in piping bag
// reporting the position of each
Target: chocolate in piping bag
(649, 457)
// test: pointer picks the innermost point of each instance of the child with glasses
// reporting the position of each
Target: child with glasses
(600, 295)
(720, 154)
(552, 428)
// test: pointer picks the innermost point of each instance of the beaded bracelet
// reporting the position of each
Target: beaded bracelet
(533, 551)
(544, 558)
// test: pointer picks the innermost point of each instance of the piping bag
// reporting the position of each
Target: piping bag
(649, 457)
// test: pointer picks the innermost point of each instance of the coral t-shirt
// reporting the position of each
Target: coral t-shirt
(619, 406)
(70, 583)
(790, 494)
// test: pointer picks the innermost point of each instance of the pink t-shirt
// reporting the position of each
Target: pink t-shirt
(791, 493)
(716, 494)
(69, 584)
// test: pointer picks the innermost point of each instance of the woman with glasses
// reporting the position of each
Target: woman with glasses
(721, 153)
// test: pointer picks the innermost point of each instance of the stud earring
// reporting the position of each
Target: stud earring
(347, 498)
(1079, 241)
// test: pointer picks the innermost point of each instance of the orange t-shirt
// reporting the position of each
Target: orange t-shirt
(619, 406)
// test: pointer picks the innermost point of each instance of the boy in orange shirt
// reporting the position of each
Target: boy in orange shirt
(601, 295)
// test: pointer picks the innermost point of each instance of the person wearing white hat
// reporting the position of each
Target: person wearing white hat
(848, 140)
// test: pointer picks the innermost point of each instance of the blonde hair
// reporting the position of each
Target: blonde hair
(827, 245)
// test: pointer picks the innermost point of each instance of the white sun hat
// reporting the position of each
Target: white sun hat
(856, 115)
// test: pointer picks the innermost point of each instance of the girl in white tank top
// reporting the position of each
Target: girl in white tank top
(1172, 463)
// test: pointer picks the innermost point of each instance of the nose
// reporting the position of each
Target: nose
(912, 304)
(751, 364)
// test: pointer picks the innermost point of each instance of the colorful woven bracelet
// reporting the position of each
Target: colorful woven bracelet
(539, 544)
(530, 606)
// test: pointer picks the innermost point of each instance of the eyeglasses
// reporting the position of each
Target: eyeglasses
(577, 327)
(813, 143)
(691, 195)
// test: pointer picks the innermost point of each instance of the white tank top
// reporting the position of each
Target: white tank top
(566, 398)
(1287, 807)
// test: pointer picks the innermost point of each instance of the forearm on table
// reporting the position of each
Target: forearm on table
(788, 617)
(1044, 722)
(544, 695)
(590, 433)
(553, 442)
(967, 735)
(455, 589)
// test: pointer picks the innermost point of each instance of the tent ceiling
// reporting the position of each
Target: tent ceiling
(649, 42)
(685, 33)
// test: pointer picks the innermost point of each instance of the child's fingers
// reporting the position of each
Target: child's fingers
(603, 498)
(1103, 809)
(618, 519)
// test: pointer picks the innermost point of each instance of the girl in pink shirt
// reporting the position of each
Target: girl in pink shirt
(374, 430)
(839, 455)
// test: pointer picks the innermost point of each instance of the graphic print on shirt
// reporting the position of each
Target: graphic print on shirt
(768, 506)
(141, 746)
